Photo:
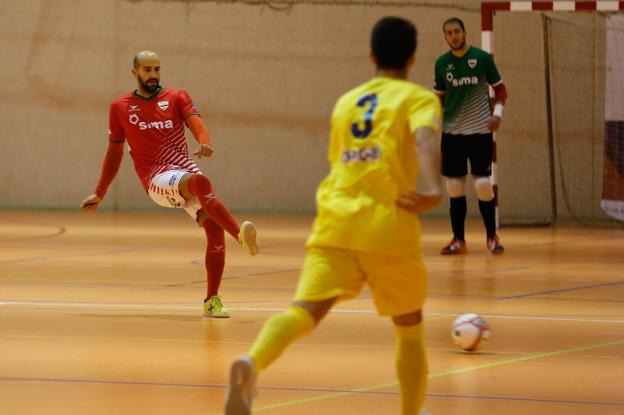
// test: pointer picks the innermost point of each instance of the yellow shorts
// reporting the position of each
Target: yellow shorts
(398, 283)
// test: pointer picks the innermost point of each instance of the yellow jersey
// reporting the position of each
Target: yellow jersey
(373, 160)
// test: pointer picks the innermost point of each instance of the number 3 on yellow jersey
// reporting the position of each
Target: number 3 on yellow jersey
(368, 117)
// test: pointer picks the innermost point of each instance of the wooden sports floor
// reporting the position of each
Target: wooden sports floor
(101, 314)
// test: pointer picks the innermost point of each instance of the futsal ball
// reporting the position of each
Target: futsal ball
(470, 332)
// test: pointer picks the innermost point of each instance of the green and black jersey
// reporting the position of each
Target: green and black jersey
(464, 82)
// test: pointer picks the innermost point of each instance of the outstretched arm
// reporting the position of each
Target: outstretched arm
(110, 167)
(429, 192)
(200, 132)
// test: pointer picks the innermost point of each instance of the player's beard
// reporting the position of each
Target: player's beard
(149, 86)
(461, 45)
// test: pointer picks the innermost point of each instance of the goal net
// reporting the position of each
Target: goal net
(560, 150)
(613, 185)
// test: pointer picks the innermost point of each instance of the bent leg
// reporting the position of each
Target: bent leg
(197, 185)
(411, 361)
(284, 328)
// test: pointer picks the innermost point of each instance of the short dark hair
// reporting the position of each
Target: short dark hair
(393, 42)
(455, 20)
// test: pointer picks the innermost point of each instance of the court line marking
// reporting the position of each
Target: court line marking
(238, 343)
(234, 277)
(561, 290)
(294, 389)
(194, 308)
(48, 258)
(183, 285)
(440, 373)
(60, 230)
(523, 399)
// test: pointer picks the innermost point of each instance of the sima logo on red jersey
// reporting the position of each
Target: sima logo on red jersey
(146, 125)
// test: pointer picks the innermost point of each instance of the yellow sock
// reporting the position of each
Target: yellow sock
(278, 332)
(411, 366)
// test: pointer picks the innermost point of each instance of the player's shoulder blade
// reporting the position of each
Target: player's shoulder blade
(421, 96)
(351, 95)
(364, 87)
(422, 92)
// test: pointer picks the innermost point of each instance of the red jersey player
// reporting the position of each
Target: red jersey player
(151, 121)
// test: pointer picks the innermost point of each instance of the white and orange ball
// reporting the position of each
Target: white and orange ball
(470, 332)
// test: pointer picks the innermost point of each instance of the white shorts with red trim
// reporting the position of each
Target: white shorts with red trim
(163, 190)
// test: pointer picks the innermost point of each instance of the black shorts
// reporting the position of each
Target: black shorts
(458, 149)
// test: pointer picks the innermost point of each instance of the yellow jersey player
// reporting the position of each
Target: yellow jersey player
(383, 140)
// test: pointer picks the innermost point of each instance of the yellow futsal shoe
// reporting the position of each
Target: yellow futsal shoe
(247, 238)
(213, 307)
(242, 388)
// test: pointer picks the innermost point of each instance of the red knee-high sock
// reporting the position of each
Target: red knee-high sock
(215, 256)
(200, 187)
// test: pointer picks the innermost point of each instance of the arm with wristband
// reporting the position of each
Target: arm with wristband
(500, 95)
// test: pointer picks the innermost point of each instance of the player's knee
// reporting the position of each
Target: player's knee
(201, 180)
(199, 185)
(201, 218)
(409, 319)
(317, 309)
(456, 187)
(484, 188)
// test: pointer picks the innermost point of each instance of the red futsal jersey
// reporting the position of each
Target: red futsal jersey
(154, 131)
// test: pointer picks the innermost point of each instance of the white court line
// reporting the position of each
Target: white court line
(178, 307)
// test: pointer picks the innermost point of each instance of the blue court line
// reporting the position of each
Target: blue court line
(293, 389)
(561, 290)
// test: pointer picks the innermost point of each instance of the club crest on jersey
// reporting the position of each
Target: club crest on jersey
(163, 105)
(472, 63)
